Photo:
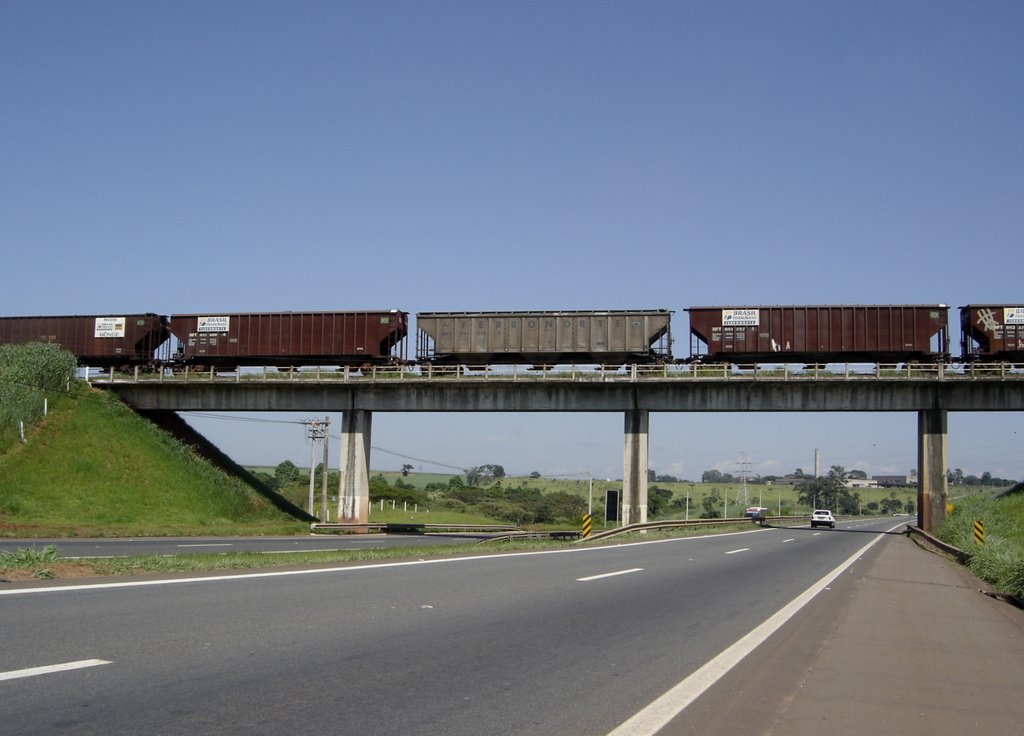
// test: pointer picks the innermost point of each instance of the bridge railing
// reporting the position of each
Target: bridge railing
(573, 373)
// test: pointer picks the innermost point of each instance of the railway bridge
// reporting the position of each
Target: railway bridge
(931, 391)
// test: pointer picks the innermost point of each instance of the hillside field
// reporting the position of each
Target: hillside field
(92, 467)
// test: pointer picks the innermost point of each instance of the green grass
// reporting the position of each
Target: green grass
(44, 564)
(1000, 561)
(95, 468)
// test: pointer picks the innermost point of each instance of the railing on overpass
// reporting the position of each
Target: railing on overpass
(577, 374)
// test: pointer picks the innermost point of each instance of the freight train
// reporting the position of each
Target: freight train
(815, 334)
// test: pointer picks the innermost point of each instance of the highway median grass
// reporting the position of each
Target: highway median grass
(45, 564)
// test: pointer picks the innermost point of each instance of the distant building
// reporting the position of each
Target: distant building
(861, 483)
(895, 481)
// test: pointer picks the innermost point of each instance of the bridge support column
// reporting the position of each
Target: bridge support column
(932, 462)
(354, 486)
(634, 468)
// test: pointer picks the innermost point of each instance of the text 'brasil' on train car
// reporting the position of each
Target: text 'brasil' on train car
(992, 332)
(98, 341)
(610, 337)
(819, 334)
(291, 338)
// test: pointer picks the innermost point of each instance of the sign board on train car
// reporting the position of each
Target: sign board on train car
(741, 317)
(1013, 315)
(109, 327)
(213, 324)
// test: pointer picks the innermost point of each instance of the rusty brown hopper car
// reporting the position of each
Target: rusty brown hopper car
(819, 334)
(992, 332)
(107, 341)
(544, 338)
(290, 338)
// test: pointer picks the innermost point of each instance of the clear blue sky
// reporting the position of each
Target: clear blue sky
(256, 156)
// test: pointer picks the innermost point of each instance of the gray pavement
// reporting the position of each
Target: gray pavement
(905, 642)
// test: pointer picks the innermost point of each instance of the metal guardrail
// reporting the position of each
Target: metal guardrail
(682, 523)
(403, 528)
(935, 544)
(580, 374)
(647, 526)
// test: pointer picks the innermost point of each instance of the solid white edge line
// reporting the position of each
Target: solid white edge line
(660, 712)
(209, 544)
(48, 669)
(609, 575)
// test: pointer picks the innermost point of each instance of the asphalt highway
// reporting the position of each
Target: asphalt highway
(574, 641)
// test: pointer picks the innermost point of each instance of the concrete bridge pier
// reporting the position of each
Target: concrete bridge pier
(634, 467)
(932, 465)
(354, 485)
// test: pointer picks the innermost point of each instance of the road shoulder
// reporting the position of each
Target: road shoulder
(902, 642)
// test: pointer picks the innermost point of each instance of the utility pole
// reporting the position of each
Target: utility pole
(323, 476)
(316, 431)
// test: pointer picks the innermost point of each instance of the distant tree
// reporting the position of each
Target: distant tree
(406, 468)
(828, 492)
(480, 473)
(666, 479)
(858, 474)
(535, 475)
(563, 506)
(873, 507)
(658, 500)
(849, 504)
(711, 476)
(711, 504)
(891, 506)
(285, 474)
(910, 508)
(380, 489)
(798, 473)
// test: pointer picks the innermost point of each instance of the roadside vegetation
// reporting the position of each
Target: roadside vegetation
(92, 467)
(1000, 560)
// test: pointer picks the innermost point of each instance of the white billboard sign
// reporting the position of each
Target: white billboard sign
(109, 327)
(1013, 315)
(214, 324)
(741, 317)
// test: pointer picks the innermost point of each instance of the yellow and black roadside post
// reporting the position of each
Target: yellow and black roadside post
(587, 519)
(979, 532)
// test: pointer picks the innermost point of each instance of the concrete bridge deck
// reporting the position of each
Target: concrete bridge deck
(929, 390)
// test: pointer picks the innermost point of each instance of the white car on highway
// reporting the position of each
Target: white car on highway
(822, 517)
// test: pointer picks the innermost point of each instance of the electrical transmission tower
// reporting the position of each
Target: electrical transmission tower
(744, 466)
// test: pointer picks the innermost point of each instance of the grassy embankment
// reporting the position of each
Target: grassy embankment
(93, 467)
(1000, 560)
